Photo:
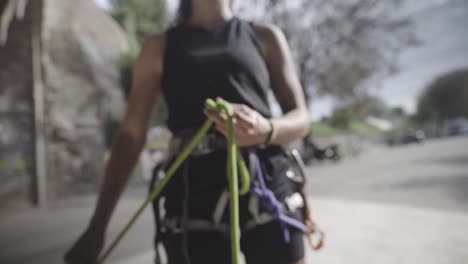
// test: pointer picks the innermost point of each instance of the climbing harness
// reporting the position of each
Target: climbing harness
(272, 205)
(275, 210)
(315, 235)
(234, 160)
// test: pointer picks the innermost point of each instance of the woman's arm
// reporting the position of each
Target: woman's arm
(251, 128)
(131, 136)
(125, 150)
(294, 124)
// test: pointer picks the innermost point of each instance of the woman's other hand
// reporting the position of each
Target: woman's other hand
(315, 236)
(250, 127)
(87, 248)
(126, 148)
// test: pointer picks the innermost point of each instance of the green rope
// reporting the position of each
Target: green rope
(234, 158)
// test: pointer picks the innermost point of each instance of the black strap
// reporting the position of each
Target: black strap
(156, 212)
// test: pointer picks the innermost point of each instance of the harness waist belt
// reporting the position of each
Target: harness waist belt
(176, 224)
(209, 143)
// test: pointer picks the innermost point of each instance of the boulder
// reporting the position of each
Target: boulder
(80, 48)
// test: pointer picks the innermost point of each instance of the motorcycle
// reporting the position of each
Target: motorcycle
(311, 151)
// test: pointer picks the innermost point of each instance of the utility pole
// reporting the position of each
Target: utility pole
(38, 101)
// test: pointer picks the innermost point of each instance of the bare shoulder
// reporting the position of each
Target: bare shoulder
(271, 37)
(268, 31)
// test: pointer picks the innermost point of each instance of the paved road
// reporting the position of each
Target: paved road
(42, 236)
(429, 175)
(402, 205)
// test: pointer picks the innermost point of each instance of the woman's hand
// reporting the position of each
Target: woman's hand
(86, 250)
(311, 224)
(250, 127)
(126, 149)
(315, 236)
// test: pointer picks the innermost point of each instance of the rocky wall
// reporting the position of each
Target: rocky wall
(16, 114)
(81, 45)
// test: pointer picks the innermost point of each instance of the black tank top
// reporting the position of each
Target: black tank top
(202, 63)
(199, 63)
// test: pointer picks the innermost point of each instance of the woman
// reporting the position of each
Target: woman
(210, 53)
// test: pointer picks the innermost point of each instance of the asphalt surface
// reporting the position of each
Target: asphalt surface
(401, 205)
(433, 174)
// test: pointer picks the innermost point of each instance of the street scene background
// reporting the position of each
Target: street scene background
(386, 158)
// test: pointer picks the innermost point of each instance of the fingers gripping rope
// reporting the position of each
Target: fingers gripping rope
(234, 158)
(224, 106)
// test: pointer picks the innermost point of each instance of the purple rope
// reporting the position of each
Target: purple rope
(272, 205)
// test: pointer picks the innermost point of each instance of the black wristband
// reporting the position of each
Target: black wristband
(270, 134)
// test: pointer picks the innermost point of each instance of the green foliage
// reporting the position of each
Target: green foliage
(369, 105)
(342, 118)
(322, 130)
(140, 17)
(364, 129)
(111, 124)
(160, 114)
(398, 112)
(345, 120)
(126, 62)
(376, 107)
(341, 48)
(445, 98)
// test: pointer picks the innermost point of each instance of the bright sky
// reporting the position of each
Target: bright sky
(103, 3)
(442, 29)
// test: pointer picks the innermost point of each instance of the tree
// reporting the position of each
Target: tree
(341, 48)
(139, 18)
(342, 118)
(398, 112)
(445, 98)
(366, 105)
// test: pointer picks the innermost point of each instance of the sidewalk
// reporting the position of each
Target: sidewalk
(362, 233)
(43, 236)
(357, 233)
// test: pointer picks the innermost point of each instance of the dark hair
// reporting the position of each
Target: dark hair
(185, 11)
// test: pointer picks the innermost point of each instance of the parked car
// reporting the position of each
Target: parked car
(408, 137)
(457, 126)
(413, 137)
